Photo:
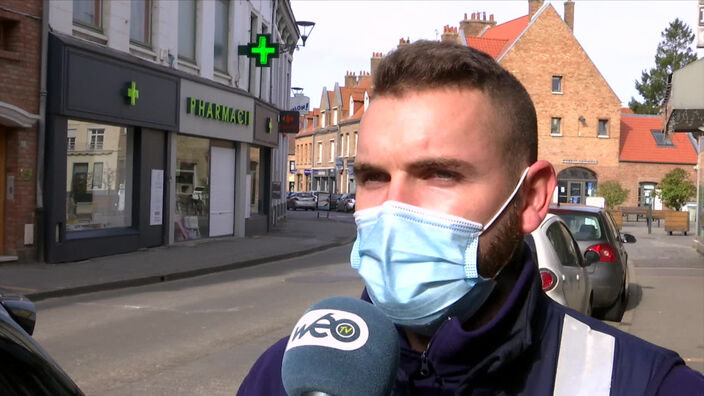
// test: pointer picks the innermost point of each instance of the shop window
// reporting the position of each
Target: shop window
(603, 130)
(192, 188)
(556, 126)
(141, 22)
(661, 139)
(222, 16)
(556, 84)
(187, 30)
(98, 181)
(88, 13)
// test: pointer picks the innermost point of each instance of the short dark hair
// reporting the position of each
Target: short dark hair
(427, 65)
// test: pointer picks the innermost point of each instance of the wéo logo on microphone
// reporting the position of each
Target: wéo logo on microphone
(330, 328)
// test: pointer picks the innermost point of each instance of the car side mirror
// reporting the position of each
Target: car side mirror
(21, 309)
(591, 257)
(628, 238)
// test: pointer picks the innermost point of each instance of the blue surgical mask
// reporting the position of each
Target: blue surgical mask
(420, 266)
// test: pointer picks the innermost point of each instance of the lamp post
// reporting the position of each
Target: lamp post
(306, 27)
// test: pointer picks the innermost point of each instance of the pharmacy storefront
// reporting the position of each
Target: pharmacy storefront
(210, 162)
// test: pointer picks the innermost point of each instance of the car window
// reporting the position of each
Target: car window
(573, 253)
(583, 226)
(560, 245)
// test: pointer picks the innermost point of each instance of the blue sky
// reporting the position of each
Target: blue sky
(620, 37)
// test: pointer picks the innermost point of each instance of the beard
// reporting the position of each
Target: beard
(501, 240)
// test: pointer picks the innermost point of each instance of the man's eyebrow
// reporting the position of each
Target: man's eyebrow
(366, 168)
(440, 163)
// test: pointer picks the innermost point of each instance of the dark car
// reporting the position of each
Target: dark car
(346, 203)
(334, 198)
(595, 230)
(27, 369)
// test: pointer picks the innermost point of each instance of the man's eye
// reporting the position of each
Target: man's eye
(374, 177)
(442, 174)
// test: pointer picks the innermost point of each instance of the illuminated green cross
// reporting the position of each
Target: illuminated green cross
(261, 51)
(133, 93)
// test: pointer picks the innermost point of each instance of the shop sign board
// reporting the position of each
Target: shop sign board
(215, 113)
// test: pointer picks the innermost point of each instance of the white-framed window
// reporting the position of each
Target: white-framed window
(141, 22)
(96, 137)
(603, 128)
(366, 100)
(351, 106)
(556, 84)
(342, 145)
(332, 150)
(320, 152)
(71, 139)
(556, 126)
(315, 122)
(88, 13)
(347, 137)
(220, 42)
(355, 143)
(334, 116)
(187, 30)
(322, 119)
(97, 175)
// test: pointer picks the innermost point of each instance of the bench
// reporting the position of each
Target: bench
(638, 211)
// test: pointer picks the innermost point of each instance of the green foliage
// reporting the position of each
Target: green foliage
(676, 189)
(613, 193)
(673, 52)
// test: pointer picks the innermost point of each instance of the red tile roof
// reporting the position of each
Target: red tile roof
(638, 144)
(497, 39)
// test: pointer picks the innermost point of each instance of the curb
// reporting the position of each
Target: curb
(159, 278)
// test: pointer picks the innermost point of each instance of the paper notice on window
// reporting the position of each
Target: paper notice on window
(156, 204)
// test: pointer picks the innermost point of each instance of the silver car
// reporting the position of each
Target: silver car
(562, 268)
(595, 231)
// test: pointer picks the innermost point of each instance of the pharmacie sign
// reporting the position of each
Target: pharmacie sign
(215, 111)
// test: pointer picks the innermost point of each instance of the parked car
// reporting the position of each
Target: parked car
(301, 200)
(595, 230)
(27, 368)
(334, 198)
(346, 203)
(323, 199)
(561, 265)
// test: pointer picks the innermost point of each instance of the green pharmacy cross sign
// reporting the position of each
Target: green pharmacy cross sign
(262, 51)
(132, 93)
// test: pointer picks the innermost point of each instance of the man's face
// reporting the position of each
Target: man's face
(438, 150)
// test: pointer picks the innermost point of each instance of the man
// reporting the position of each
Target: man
(448, 184)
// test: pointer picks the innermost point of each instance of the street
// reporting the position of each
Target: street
(201, 335)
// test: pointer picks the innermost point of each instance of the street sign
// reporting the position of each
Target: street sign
(262, 50)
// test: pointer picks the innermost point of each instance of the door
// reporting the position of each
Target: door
(573, 261)
(222, 191)
(575, 192)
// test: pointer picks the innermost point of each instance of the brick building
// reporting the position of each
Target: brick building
(20, 114)
(647, 155)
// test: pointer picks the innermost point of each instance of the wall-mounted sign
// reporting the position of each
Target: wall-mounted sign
(306, 171)
(299, 103)
(262, 50)
(215, 111)
(132, 93)
(289, 122)
(580, 162)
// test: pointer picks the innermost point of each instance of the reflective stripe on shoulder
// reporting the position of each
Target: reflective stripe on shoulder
(585, 361)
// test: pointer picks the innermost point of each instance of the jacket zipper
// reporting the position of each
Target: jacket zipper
(424, 365)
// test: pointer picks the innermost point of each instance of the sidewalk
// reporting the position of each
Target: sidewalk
(299, 234)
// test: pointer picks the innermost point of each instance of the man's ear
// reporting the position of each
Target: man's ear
(537, 196)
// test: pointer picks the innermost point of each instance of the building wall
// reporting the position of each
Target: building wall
(632, 173)
(19, 86)
(548, 48)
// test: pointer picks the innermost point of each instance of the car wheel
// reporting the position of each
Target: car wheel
(615, 312)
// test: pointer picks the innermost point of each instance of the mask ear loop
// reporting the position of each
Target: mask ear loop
(508, 201)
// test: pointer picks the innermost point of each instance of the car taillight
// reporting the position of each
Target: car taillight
(549, 279)
(606, 252)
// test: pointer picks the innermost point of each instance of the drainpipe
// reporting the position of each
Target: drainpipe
(41, 138)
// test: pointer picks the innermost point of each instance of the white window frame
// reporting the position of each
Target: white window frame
(351, 106)
(559, 126)
(320, 152)
(334, 116)
(348, 145)
(95, 133)
(560, 83)
(355, 143)
(332, 150)
(606, 128)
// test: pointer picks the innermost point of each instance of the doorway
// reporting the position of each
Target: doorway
(222, 191)
(575, 184)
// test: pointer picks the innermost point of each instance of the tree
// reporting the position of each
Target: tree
(613, 193)
(676, 189)
(673, 52)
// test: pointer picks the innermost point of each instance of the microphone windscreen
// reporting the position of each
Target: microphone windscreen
(341, 346)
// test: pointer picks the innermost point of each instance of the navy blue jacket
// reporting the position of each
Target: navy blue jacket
(533, 346)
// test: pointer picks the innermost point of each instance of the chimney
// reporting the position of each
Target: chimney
(450, 35)
(403, 42)
(475, 26)
(350, 80)
(569, 14)
(376, 58)
(533, 7)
